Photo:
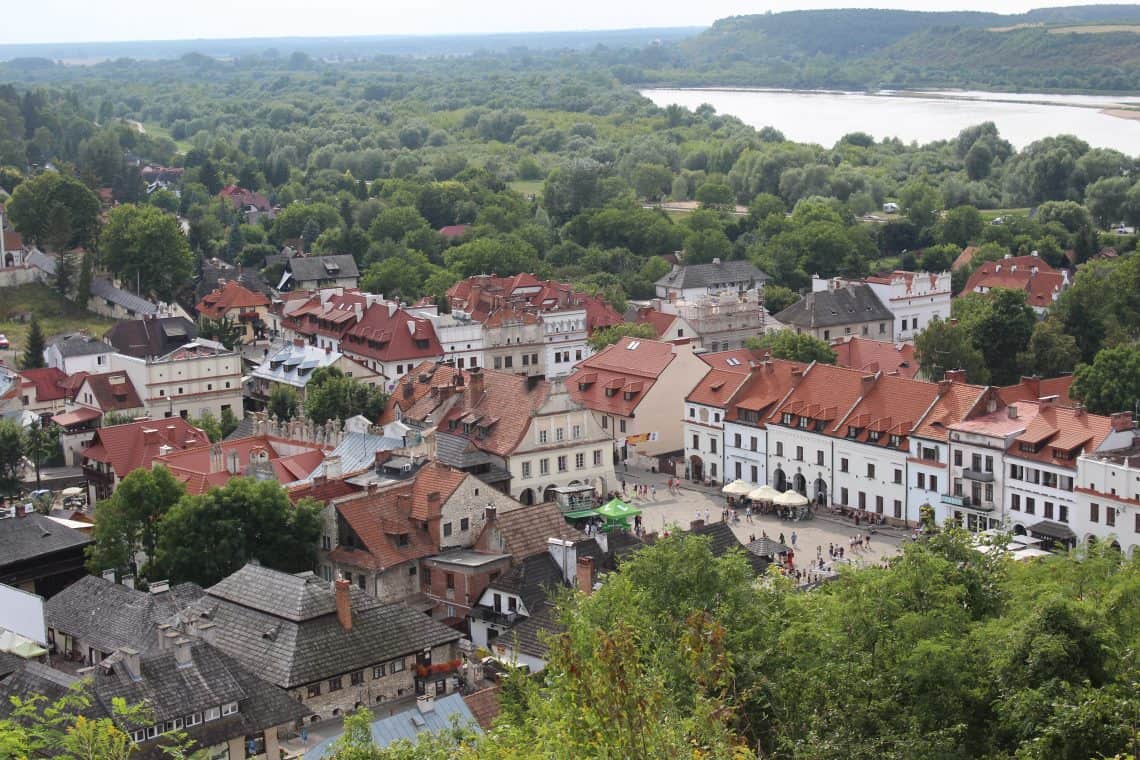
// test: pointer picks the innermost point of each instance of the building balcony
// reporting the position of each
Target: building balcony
(503, 619)
(979, 475)
(956, 501)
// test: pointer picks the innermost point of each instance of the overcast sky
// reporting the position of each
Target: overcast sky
(102, 20)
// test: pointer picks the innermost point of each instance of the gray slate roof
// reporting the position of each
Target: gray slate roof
(722, 540)
(294, 365)
(317, 267)
(410, 723)
(529, 635)
(708, 275)
(101, 288)
(34, 535)
(284, 627)
(146, 338)
(532, 579)
(357, 452)
(110, 616)
(850, 304)
(81, 345)
(457, 451)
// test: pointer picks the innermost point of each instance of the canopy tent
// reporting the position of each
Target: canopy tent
(21, 646)
(616, 510)
(737, 488)
(790, 499)
(580, 514)
(763, 493)
(72, 491)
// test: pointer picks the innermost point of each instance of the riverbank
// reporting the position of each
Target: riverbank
(1122, 113)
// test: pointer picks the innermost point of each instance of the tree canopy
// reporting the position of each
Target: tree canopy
(145, 247)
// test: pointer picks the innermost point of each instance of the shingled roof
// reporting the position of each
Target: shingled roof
(285, 627)
(136, 444)
(851, 304)
(722, 540)
(110, 392)
(524, 532)
(713, 274)
(307, 268)
(531, 580)
(110, 616)
(34, 535)
(147, 338)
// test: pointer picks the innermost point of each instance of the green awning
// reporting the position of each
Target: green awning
(616, 509)
(580, 514)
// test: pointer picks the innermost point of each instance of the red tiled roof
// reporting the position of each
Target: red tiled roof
(241, 197)
(525, 532)
(136, 444)
(964, 258)
(483, 295)
(77, 417)
(955, 404)
(600, 314)
(112, 392)
(1033, 388)
(414, 387)
(323, 491)
(12, 240)
(454, 230)
(231, 295)
(738, 360)
(1030, 274)
(658, 320)
(1061, 430)
(892, 406)
(193, 466)
(766, 384)
(622, 363)
(874, 355)
(48, 382)
(388, 337)
(484, 705)
(825, 392)
(716, 388)
(508, 402)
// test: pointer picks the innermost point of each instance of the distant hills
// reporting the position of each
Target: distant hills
(1094, 47)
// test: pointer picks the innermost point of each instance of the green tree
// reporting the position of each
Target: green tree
(332, 395)
(205, 538)
(920, 201)
(224, 330)
(86, 273)
(960, 226)
(652, 181)
(1051, 351)
(607, 336)
(50, 202)
(33, 356)
(794, 346)
(1112, 382)
(130, 521)
(1002, 332)
(12, 445)
(282, 402)
(41, 444)
(777, 298)
(228, 422)
(145, 247)
(209, 425)
(943, 346)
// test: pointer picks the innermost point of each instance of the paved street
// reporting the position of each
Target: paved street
(682, 509)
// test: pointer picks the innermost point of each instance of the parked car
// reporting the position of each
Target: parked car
(4, 342)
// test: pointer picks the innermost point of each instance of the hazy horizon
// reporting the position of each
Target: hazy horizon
(68, 22)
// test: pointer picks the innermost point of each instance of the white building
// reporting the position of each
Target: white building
(460, 336)
(915, 298)
(745, 428)
(1107, 498)
(564, 331)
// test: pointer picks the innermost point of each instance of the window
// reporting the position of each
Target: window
(1063, 513)
(152, 731)
(579, 461)
(509, 362)
(920, 480)
(898, 476)
(558, 434)
(621, 426)
(898, 509)
(605, 423)
(843, 465)
(526, 469)
(1110, 516)
(360, 582)
(465, 524)
(712, 445)
(843, 496)
(1048, 515)
(753, 443)
(544, 467)
(716, 416)
(356, 678)
(692, 412)
(576, 431)
(562, 463)
(314, 690)
(990, 492)
(862, 500)
(739, 468)
(736, 440)
(377, 671)
(335, 684)
(427, 576)
(229, 708)
(799, 453)
(989, 464)
(395, 666)
(1015, 502)
(976, 462)
(194, 719)
(597, 457)
(1030, 505)
(696, 442)
(542, 435)
(870, 470)
(779, 448)
(498, 362)
(212, 713)
(958, 458)
(447, 529)
(933, 482)
(879, 504)
(819, 458)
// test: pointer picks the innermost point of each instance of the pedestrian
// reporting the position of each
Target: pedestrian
(653, 490)
(708, 514)
(697, 516)
(623, 486)
(793, 539)
(626, 463)
(818, 552)
(868, 540)
(782, 541)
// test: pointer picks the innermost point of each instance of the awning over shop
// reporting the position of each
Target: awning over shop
(1055, 530)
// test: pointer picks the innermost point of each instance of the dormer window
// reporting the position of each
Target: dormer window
(895, 440)
(874, 436)
(611, 392)
(786, 418)
(805, 422)
(853, 432)
(402, 539)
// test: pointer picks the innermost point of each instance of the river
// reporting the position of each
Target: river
(824, 116)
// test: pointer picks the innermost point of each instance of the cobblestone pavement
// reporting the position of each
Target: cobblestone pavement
(695, 501)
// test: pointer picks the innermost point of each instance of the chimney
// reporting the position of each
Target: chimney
(182, 658)
(208, 632)
(586, 575)
(333, 468)
(956, 375)
(1079, 410)
(1033, 383)
(130, 659)
(425, 703)
(1012, 410)
(382, 457)
(868, 382)
(343, 603)
(565, 554)
(409, 391)
(217, 458)
(1047, 401)
(944, 386)
(475, 377)
(233, 466)
(490, 512)
(1121, 421)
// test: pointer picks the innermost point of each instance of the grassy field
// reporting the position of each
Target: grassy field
(527, 186)
(55, 314)
(994, 213)
(158, 130)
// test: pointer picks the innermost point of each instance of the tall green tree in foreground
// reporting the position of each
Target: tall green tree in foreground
(130, 521)
(146, 249)
(1111, 383)
(33, 357)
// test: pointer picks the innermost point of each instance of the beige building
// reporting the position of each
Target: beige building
(198, 377)
(839, 310)
(514, 341)
(635, 389)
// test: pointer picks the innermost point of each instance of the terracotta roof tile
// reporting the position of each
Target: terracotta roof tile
(112, 392)
(1040, 282)
(136, 444)
(954, 405)
(503, 410)
(716, 388)
(48, 382)
(393, 335)
(614, 367)
(524, 532)
(891, 407)
(875, 355)
(1033, 388)
(766, 385)
(1061, 434)
(231, 295)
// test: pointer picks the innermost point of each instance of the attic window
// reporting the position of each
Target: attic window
(1062, 454)
(717, 385)
(732, 361)
(853, 432)
(805, 422)
(1031, 448)
(895, 440)
(787, 418)
(874, 436)
(610, 392)
(402, 539)
(633, 344)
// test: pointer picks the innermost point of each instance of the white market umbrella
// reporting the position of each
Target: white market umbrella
(791, 499)
(764, 493)
(73, 491)
(737, 488)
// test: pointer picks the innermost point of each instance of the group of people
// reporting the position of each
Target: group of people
(640, 490)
